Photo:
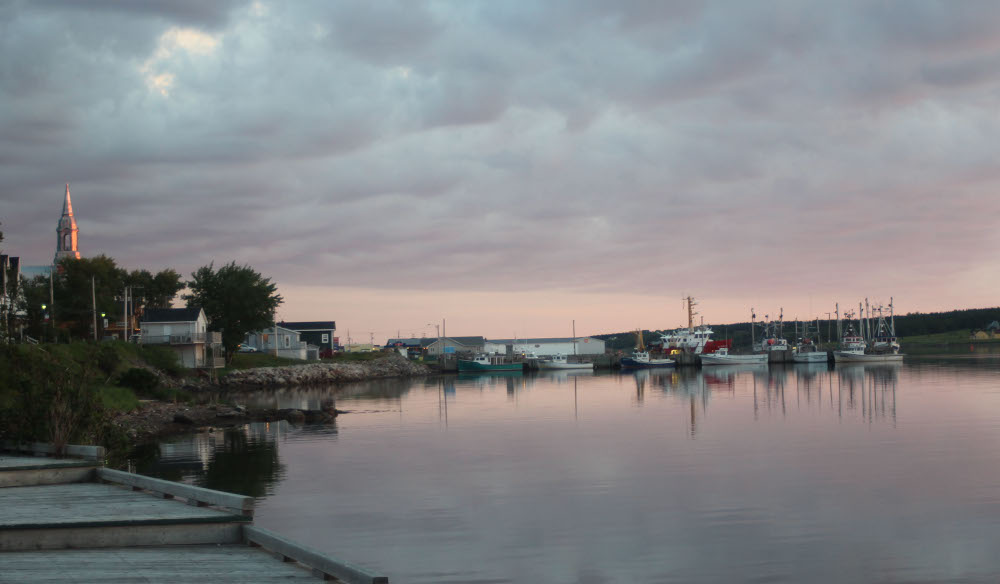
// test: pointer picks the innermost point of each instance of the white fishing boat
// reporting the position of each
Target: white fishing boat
(641, 360)
(640, 357)
(559, 362)
(771, 339)
(806, 349)
(693, 339)
(812, 355)
(884, 346)
(723, 357)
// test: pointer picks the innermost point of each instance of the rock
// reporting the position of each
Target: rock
(296, 416)
(182, 419)
(313, 373)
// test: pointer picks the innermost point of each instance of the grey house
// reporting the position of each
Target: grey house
(319, 333)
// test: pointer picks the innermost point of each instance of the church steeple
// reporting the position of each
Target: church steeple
(66, 245)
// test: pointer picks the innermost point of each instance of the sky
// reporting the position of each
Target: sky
(512, 168)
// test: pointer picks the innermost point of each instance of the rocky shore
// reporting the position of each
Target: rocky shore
(153, 419)
(393, 365)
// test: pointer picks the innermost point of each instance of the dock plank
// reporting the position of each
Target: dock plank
(92, 505)
(224, 564)
(14, 462)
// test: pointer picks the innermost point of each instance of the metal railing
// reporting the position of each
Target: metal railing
(183, 339)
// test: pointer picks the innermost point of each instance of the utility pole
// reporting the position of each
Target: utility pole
(52, 304)
(93, 304)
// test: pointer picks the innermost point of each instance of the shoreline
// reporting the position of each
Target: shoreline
(155, 419)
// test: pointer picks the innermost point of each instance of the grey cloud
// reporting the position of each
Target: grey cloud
(499, 146)
(214, 14)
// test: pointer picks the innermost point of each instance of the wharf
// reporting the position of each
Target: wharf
(71, 520)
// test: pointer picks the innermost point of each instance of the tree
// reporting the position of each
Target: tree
(154, 291)
(236, 299)
(74, 301)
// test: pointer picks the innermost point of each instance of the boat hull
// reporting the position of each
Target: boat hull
(549, 366)
(811, 357)
(630, 363)
(710, 359)
(473, 367)
(847, 357)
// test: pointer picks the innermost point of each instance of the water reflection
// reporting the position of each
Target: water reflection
(804, 473)
(240, 460)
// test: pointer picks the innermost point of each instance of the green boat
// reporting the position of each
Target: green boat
(487, 363)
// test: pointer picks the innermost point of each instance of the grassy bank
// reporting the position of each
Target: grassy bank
(65, 393)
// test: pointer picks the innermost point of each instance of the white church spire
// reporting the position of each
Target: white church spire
(67, 232)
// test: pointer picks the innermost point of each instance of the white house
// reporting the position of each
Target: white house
(289, 343)
(185, 331)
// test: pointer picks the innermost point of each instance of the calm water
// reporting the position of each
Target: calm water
(801, 474)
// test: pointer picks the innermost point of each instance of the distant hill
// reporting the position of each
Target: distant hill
(907, 325)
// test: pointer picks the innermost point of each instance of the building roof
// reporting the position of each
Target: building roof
(171, 314)
(541, 340)
(467, 341)
(311, 325)
(411, 342)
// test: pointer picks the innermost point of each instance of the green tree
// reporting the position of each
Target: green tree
(73, 300)
(156, 291)
(33, 295)
(236, 299)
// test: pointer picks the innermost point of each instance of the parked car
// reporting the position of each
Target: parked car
(246, 349)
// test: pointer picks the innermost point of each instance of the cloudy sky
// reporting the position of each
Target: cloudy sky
(514, 166)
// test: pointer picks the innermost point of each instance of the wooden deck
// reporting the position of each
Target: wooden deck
(223, 564)
(27, 470)
(72, 521)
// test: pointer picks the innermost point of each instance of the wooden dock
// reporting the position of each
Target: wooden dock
(71, 520)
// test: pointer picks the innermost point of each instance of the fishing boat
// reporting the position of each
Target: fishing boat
(559, 362)
(723, 357)
(640, 357)
(771, 339)
(806, 350)
(695, 340)
(884, 346)
(484, 362)
(809, 353)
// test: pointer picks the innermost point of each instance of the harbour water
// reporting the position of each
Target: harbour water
(887, 473)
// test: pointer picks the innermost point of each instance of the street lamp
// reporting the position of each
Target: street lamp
(45, 319)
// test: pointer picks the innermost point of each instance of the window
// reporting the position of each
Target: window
(326, 338)
(288, 341)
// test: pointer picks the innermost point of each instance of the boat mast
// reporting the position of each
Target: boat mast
(861, 320)
(836, 312)
(892, 318)
(691, 304)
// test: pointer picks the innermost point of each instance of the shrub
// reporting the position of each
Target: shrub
(45, 398)
(163, 359)
(141, 381)
(108, 359)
